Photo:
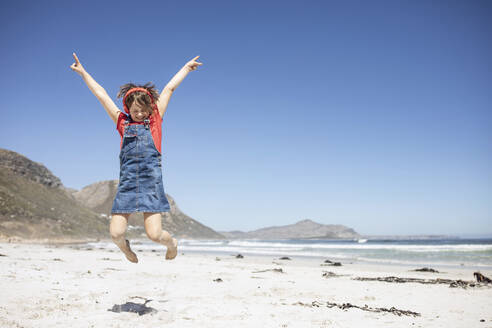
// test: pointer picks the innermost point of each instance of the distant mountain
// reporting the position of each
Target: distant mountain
(305, 229)
(99, 197)
(35, 205)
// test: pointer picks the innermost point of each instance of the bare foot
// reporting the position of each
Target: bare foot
(172, 251)
(132, 257)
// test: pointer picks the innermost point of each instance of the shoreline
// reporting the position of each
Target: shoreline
(334, 258)
(135, 242)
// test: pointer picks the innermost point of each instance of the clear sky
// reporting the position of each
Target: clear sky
(372, 114)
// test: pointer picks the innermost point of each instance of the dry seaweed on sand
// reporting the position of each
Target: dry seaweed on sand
(329, 274)
(330, 263)
(274, 270)
(345, 306)
(481, 278)
(450, 282)
(141, 309)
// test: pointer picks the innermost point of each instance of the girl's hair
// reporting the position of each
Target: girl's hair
(140, 97)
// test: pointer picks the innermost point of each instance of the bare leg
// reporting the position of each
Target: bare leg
(153, 228)
(117, 229)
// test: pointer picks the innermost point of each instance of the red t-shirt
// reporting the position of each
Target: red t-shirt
(155, 127)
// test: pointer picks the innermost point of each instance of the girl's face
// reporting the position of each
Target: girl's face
(138, 112)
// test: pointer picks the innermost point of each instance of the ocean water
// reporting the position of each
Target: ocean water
(445, 252)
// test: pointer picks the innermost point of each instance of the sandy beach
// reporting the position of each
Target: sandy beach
(59, 285)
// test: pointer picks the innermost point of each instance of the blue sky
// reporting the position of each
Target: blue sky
(372, 114)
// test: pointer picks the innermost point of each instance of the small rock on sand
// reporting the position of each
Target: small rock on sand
(426, 270)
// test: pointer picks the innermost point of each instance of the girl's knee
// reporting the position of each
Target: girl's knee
(158, 235)
(115, 232)
(154, 234)
(117, 227)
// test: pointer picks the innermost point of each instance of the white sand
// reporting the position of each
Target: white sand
(77, 290)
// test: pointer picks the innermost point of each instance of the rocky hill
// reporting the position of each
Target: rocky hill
(35, 205)
(33, 171)
(99, 197)
(305, 229)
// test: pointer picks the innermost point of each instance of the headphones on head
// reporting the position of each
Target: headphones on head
(127, 110)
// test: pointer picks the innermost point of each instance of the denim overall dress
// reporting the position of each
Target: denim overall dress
(140, 188)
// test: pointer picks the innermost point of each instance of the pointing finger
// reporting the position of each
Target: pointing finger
(76, 59)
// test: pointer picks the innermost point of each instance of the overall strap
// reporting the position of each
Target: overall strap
(126, 125)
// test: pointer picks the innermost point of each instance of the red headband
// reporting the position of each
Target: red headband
(135, 90)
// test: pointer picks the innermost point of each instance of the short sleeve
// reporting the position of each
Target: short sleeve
(156, 118)
(120, 123)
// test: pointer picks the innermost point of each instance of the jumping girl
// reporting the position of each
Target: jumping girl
(140, 187)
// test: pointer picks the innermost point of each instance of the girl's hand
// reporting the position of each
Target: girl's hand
(193, 64)
(77, 66)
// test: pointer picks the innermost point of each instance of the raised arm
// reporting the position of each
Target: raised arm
(173, 84)
(97, 90)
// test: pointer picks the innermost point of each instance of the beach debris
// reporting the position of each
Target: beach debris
(141, 309)
(113, 269)
(329, 274)
(239, 256)
(450, 282)
(217, 259)
(284, 258)
(330, 263)
(481, 278)
(3, 255)
(218, 280)
(345, 306)
(57, 259)
(274, 270)
(426, 270)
